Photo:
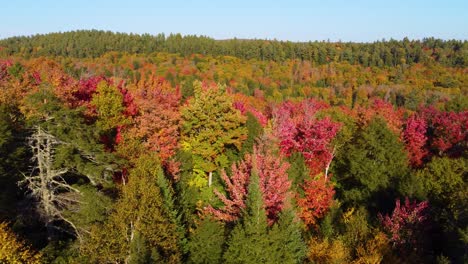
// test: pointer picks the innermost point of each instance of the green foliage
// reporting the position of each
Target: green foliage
(140, 220)
(16, 70)
(211, 126)
(154, 213)
(11, 160)
(287, 244)
(369, 168)
(206, 242)
(109, 107)
(298, 172)
(80, 149)
(254, 130)
(94, 43)
(446, 182)
(249, 241)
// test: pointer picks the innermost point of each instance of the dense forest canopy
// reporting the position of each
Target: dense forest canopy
(125, 148)
(93, 43)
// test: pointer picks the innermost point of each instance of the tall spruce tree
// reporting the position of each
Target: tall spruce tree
(249, 241)
(287, 244)
(206, 242)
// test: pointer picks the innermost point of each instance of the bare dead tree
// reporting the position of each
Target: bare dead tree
(46, 183)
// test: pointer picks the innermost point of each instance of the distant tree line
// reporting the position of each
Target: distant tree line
(94, 43)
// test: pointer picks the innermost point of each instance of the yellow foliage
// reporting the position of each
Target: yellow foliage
(374, 250)
(348, 214)
(326, 251)
(13, 250)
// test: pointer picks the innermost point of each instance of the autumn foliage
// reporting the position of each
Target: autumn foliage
(317, 200)
(273, 181)
(299, 130)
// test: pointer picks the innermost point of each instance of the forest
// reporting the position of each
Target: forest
(127, 148)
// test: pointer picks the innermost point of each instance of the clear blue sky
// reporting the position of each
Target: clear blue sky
(296, 20)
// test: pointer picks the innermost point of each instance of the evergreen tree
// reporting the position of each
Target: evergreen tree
(287, 244)
(370, 168)
(249, 241)
(66, 151)
(11, 161)
(254, 130)
(206, 242)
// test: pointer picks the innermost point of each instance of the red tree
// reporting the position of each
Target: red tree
(318, 197)
(415, 139)
(299, 130)
(404, 222)
(236, 188)
(158, 119)
(447, 131)
(394, 117)
(274, 185)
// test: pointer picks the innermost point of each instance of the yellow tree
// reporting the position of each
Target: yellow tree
(211, 125)
(13, 250)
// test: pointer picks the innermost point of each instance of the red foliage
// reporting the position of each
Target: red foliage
(37, 77)
(131, 108)
(244, 109)
(274, 182)
(447, 131)
(318, 197)
(83, 94)
(404, 222)
(158, 119)
(415, 139)
(394, 118)
(274, 185)
(4, 65)
(299, 130)
(236, 188)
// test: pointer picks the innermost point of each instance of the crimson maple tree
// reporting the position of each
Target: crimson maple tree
(299, 130)
(415, 139)
(273, 180)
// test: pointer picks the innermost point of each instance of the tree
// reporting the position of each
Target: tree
(210, 126)
(236, 190)
(299, 130)
(415, 139)
(317, 200)
(404, 224)
(12, 139)
(372, 165)
(287, 244)
(139, 225)
(109, 107)
(249, 241)
(254, 130)
(447, 131)
(206, 242)
(13, 250)
(64, 150)
(158, 120)
(274, 184)
(444, 180)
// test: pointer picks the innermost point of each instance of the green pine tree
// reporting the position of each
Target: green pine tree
(249, 241)
(287, 244)
(206, 242)
(371, 167)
